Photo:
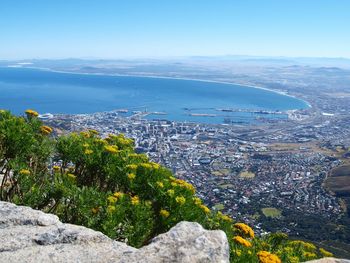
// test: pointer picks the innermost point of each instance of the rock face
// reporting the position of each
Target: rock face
(329, 260)
(28, 235)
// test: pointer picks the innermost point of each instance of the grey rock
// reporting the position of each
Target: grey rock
(12, 215)
(28, 235)
(329, 260)
(186, 242)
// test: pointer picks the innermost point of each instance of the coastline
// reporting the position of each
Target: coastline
(175, 78)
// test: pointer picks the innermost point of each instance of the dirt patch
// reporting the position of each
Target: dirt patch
(339, 180)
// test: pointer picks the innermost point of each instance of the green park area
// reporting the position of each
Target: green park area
(271, 212)
(247, 175)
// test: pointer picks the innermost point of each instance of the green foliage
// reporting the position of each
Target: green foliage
(103, 184)
(24, 150)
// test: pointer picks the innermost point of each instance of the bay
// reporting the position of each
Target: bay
(180, 99)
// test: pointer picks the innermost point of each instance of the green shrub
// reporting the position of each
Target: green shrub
(103, 184)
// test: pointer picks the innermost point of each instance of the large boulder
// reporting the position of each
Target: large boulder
(28, 235)
(329, 260)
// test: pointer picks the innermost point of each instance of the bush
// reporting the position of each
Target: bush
(103, 184)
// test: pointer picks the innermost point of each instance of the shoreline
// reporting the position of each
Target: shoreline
(175, 78)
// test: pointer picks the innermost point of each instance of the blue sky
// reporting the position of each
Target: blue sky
(163, 28)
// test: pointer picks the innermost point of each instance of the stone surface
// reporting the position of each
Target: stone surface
(28, 235)
(330, 260)
(187, 242)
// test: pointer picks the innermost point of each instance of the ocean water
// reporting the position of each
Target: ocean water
(52, 92)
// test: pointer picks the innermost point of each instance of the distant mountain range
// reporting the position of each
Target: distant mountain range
(236, 59)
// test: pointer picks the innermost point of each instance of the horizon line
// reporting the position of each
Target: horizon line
(176, 57)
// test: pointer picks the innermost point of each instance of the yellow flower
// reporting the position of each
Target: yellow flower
(205, 209)
(85, 134)
(93, 131)
(160, 184)
(171, 192)
(180, 200)
(86, 145)
(45, 129)
(146, 165)
(309, 255)
(56, 167)
(190, 187)
(111, 148)
(227, 218)
(197, 201)
(118, 195)
(72, 176)
(242, 241)
(88, 151)
(224, 217)
(303, 244)
(164, 213)
(24, 172)
(132, 166)
(288, 250)
(267, 257)
(183, 184)
(45, 132)
(238, 252)
(325, 253)
(135, 200)
(155, 165)
(95, 210)
(179, 181)
(244, 229)
(110, 209)
(131, 176)
(112, 136)
(101, 141)
(293, 259)
(112, 199)
(121, 140)
(32, 113)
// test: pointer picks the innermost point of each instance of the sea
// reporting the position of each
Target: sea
(172, 99)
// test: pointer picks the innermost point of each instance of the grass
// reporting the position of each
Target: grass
(271, 212)
(247, 175)
(221, 172)
(225, 171)
(285, 146)
(225, 186)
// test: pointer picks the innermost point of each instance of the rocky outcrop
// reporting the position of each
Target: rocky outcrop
(329, 260)
(28, 235)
